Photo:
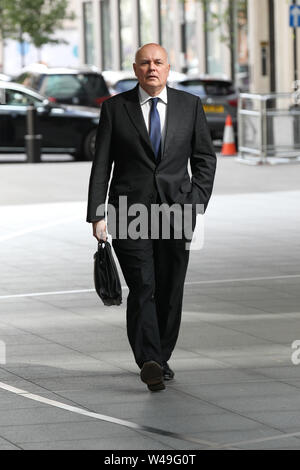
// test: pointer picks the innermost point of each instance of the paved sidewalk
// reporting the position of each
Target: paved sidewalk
(235, 386)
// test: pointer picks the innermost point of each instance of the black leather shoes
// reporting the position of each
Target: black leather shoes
(152, 375)
(168, 374)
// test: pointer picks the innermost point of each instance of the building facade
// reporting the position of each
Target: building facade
(112, 30)
(274, 46)
(249, 41)
(13, 57)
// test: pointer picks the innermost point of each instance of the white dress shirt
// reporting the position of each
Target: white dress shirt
(161, 108)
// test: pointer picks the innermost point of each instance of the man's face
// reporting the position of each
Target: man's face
(151, 68)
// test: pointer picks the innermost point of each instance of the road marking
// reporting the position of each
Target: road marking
(245, 279)
(109, 419)
(138, 427)
(263, 439)
(215, 281)
(37, 294)
(20, 233)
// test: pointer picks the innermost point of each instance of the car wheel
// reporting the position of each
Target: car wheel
(89, 145)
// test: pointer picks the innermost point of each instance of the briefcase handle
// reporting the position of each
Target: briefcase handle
(101, 247)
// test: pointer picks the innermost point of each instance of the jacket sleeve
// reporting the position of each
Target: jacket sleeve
(203, 159)
(101, 168)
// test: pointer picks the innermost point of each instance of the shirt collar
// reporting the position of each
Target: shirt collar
(144, 97)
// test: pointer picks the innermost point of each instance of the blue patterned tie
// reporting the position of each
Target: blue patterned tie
(155, 131)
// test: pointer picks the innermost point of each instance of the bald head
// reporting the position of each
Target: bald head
(151, 45)
(151, 68)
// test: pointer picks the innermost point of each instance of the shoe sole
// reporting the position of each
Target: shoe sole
(157, 388)
(167, 378)
(152, 375)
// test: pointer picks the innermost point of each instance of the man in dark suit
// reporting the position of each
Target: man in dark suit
(150, 134)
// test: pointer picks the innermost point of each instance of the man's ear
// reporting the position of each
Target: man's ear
(134, 68)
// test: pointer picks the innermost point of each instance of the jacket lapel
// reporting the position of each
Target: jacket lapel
(135, 113)
(171, 119)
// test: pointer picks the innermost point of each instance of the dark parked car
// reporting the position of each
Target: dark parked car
(119, 81)
(65, 128)
(125, 84)
(83, 86)
(219, 98)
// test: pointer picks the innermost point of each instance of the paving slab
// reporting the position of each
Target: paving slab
(123, 443)
(35, 433)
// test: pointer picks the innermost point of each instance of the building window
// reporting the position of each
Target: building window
(126, 27)
(167, 19)
(107, 39)
(192, 63)
(88, 33)
(146, 21)
(214, 46)
(241, 45)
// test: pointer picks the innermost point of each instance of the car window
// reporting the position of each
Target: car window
(125, 85)
(193, 86)
(211, 87)
(2, 96)
(94, 84)
(29, 79)
(67, 86)
(18, 98)
(219, 88)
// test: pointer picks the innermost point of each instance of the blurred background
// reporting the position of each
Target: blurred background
(249, 42)
(80, 52)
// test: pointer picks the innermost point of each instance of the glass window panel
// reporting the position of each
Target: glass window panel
(127, 50)
(2, 96)
(192, 62)
(125, 85)
(215, 57)
(146, 20)
(88, 32)
(19, 98)
(241, 45)
(67, 86)
(167, 15)
(193, 87)
(107, 39)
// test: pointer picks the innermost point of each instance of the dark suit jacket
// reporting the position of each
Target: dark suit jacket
(122, 139)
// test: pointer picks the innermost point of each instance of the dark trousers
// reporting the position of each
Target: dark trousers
(154, 271)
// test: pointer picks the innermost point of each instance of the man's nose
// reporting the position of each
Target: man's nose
(152, 66)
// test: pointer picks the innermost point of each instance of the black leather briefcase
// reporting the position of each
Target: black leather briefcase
(106, 277)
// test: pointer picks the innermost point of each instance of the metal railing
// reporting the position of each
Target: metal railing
(268, 128)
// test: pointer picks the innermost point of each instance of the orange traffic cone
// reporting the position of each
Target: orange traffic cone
(228, 147)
